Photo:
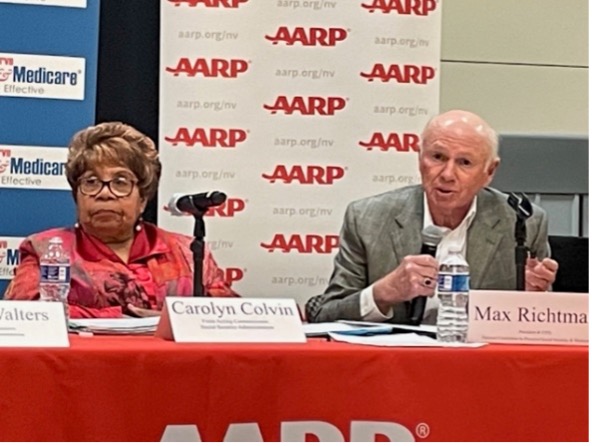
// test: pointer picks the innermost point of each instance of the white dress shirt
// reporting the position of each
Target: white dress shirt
(453, 238)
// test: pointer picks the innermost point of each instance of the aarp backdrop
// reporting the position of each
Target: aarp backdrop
(293, 109)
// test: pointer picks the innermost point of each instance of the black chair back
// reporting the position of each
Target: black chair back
(572, 255)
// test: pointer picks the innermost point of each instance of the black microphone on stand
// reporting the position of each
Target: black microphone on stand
(430, 238)
(196, 205)
(180, 204)
(523, 208)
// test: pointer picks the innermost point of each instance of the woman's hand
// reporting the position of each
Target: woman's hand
(142, 312)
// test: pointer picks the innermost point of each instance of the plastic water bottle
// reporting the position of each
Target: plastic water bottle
(453, 292)
(54, 265)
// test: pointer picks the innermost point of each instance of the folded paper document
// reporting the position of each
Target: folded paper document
(400, 340)
(346, 327)
(146, 325)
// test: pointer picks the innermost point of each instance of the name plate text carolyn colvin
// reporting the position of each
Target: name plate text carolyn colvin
(203, 319)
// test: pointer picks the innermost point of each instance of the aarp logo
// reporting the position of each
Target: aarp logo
(208, 137)
(364, 431)
(307, 105)
(208, 68)
(230, 4)
(402, 74)
(401, 142)
(401, 7)
(313, 36)
(310, 175)
(303, 243)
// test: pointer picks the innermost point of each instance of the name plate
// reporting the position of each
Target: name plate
(32, 324)
(526, 317)
(204, 319)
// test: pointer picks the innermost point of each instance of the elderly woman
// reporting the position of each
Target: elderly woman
(120, 264)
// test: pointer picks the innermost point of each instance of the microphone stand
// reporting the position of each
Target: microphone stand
(523, 209)
(197, 245)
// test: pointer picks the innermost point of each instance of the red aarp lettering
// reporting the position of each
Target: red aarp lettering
(321, 175)
(401, 142)
(402, 7)
(403, 74)
(210, 3)
(313, 36)
(307, 106)
(227, 68)
(232, 275)
(213, 137)
(227, 209)
(303, 244)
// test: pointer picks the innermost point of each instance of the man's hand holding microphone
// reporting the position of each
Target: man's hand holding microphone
(414, 279)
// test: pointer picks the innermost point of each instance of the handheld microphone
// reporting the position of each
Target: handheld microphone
(430, 238)
(180, 204)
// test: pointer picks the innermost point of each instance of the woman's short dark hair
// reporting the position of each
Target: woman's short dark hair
(114, 144)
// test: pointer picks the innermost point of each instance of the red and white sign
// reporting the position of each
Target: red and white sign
(323, 102)
(198, 319)
(521, 317)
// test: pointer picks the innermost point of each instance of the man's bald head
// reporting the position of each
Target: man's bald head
(462, 124)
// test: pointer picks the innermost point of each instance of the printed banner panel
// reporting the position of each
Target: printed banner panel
(48, 64)
(9, 256)
(33, 167)
(35, 76)
(65, 3)
(293, 109)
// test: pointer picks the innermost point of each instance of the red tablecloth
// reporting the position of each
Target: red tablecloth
(132, 388)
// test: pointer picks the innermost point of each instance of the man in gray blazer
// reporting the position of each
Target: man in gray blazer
(378, 270)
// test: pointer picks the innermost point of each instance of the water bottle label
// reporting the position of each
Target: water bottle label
(55, 273)
(453, 283)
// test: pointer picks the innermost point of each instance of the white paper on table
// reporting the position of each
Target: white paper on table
(323, 328)
(142, 325)
(400, 340)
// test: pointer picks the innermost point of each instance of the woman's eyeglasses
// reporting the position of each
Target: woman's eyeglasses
(120, 186)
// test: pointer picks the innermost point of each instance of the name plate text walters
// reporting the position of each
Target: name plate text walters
(204, 319)
(32, 324)
(525, 317)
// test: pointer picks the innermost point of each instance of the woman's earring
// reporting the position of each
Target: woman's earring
(138, 227)
(76, 225)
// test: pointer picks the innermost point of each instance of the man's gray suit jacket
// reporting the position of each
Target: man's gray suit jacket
(379, 231)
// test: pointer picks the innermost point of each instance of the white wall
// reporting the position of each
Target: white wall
(521, 64)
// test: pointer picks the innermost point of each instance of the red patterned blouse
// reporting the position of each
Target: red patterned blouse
(160, 264)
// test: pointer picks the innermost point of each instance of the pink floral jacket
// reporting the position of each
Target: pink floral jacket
(160, 264)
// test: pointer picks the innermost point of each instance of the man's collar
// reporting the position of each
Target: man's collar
(428, 220)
